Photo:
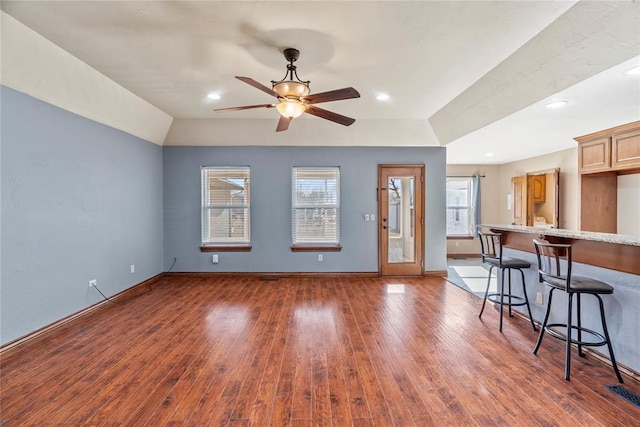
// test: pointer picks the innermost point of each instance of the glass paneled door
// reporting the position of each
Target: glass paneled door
(401, 219)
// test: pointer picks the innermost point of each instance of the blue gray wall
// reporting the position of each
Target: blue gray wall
(84, 201)
(80, 201)
(271, 206)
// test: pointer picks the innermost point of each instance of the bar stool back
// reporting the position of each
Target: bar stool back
(491, 246)
(554, 269)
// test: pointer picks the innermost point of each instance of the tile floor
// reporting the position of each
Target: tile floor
(470, 274)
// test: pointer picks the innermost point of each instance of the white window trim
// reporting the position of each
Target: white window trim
(296, 206)
(468, 207)
(229, 241)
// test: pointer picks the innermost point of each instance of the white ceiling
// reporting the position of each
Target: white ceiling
(436, 60)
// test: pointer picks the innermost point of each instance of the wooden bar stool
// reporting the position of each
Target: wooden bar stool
(554, 269)
(491, 245)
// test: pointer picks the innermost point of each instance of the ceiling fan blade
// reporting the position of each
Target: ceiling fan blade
(329, 115)
(245, 107)
(283, 124)
(332, 95)
(257, 85)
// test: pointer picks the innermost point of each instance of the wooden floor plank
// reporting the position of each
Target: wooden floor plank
(152, 361)
(89, 366)
(282, 404)
(340, 351)
(53, 364)
(217, 326)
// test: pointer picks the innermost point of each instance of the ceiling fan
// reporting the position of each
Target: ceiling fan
(294, 96)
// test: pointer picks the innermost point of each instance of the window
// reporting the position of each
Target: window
(225, 205)
(460, 221)
(316, 206)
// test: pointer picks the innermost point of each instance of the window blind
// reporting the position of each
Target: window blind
(315, 205)
(225, 205)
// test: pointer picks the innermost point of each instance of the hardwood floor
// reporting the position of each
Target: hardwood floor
(301, 352)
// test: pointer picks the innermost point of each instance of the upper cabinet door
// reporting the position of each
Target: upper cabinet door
(625, 150)
(539, 188)
(594, 155)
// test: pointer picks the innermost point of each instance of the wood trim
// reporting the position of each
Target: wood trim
(225, 248)
(274, 275)
(608, 132)
(454, 256)
(441, 273)
(313, 248)
(39, 335)
(401, 165)
(628, 171)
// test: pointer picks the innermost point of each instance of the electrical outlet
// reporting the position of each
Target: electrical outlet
(133, 268)
(320, 257)
(539, 298)
(214, 258)
(93, 282)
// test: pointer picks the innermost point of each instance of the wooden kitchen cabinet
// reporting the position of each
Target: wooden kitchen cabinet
(539, 188)
(625, 150)
(602, 156)
(595, 155)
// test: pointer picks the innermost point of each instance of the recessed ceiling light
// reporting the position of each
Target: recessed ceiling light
(382, 97)
(556, 104)
(635, 71)
(213, 95)
(489, 154)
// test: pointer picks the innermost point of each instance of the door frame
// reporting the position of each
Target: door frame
(419, 206)
(556, 195)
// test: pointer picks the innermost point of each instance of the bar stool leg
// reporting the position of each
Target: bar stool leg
(526, 299)
(501, 296)
(580, 352)
(510, 312)
(544, 322)
(567, 362)
(606, 336)
(486, 292)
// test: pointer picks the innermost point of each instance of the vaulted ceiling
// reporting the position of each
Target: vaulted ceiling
(474, 76)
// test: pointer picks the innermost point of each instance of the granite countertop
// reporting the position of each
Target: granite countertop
(620, 239)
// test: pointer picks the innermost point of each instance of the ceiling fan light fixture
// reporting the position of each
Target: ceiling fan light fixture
(290, 108)
(294, 99)
(291, 88)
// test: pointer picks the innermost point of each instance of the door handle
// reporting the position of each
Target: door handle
(384, 227)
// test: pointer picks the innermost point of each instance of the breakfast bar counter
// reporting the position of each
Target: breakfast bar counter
(612, 258)
(612, 251)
